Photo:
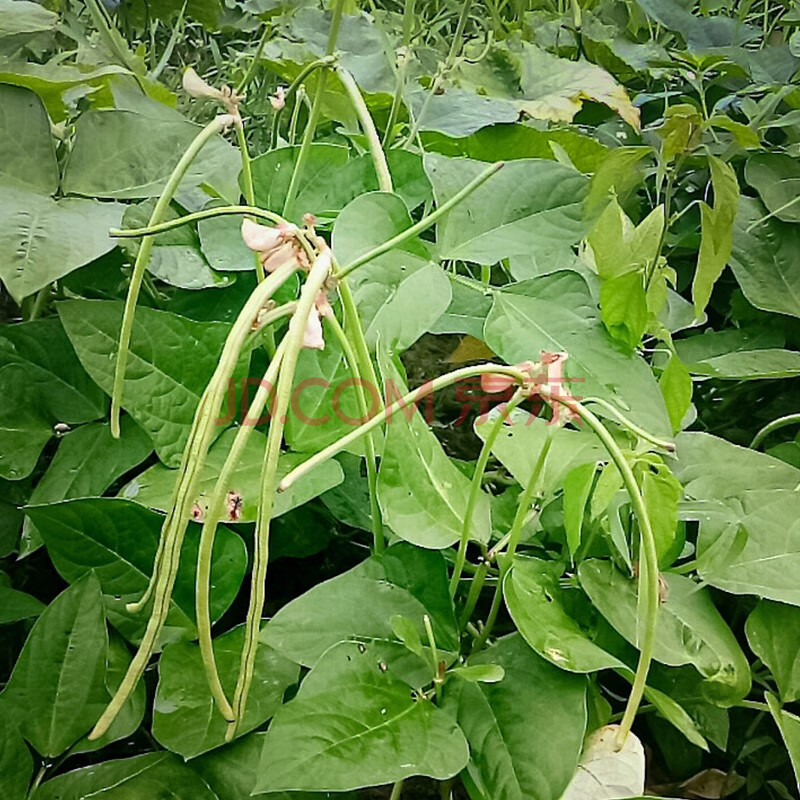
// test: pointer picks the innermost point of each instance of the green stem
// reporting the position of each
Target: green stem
(402, 69)
(437, 680)
(632, 427)
(174, 527)
(289, 93)
(771, 427)
(369, 444)
(523, 506)
(397, 791)
(217, 125)
(648, 572)
(475, 589)
(251, 70)
(248, 190)
(313, 119)
(369, 129)
(455, 49)
(196, 216)
(212, 519)
(317, 276)
(475, 488)
(424, 223)
(448, 379)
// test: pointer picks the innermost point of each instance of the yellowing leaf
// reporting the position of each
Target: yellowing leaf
(470, 349)
(555, 88)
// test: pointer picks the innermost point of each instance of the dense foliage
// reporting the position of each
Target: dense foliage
(565, 564)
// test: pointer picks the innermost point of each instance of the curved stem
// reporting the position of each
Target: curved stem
(475, 487)
(400, 82)
(369, 444)
(248, 190)
(368, 127)
(174, 528)
(317, 276)
(411, 397)
(313, 118)
(207, 213)
(632, 427)
(424, 223)
(515, 534)
(293, 87)
(648, 572)
(217, 125)
(212, 519)
(776, 424)
(251, 70)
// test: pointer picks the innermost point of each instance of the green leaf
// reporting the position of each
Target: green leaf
(176, 257)
(480, 673)
(619, 246)
(511, 142)
(148, 775)
(717, 232)
(401, 294)
(604, 771)
(25, 427)
(577, 487)
(776, 178)
(661, 491)
(127, 155)
(29, 161)
(763, 259)
(53, 371)
(16, 763)
(50, 81)
(690, 629)
(185, 717)
(57, 692)
(623, 308)
(153, 487)
(466, 312)
(789, 726)
(20, 16)
(535, 601)
(422, 494)
(359, 606)
(353, 708)
(751, 365)
(170, 362)
(512, 755)
(530, 206)
(222, 245)
(459, 113)
(16, 605)
(332, 179)
(676, 386)
(232, 772)
(117, 539)
(520, 443)
(616, 175)
(408, 633)
(773, 634)
(556, 313)
(88, 460)
(42, 239)
(132, 712)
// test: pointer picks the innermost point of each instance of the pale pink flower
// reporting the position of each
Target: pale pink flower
(273, 245)
(278, 100)
(312, 336)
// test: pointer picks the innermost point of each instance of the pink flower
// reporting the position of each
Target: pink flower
(278, 100)
(494, 383)
(273, 245)
(312, 336)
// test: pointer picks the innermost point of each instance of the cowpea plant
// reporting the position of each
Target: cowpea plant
(508, 605)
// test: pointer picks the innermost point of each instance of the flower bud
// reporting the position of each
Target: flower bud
(195, 86)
